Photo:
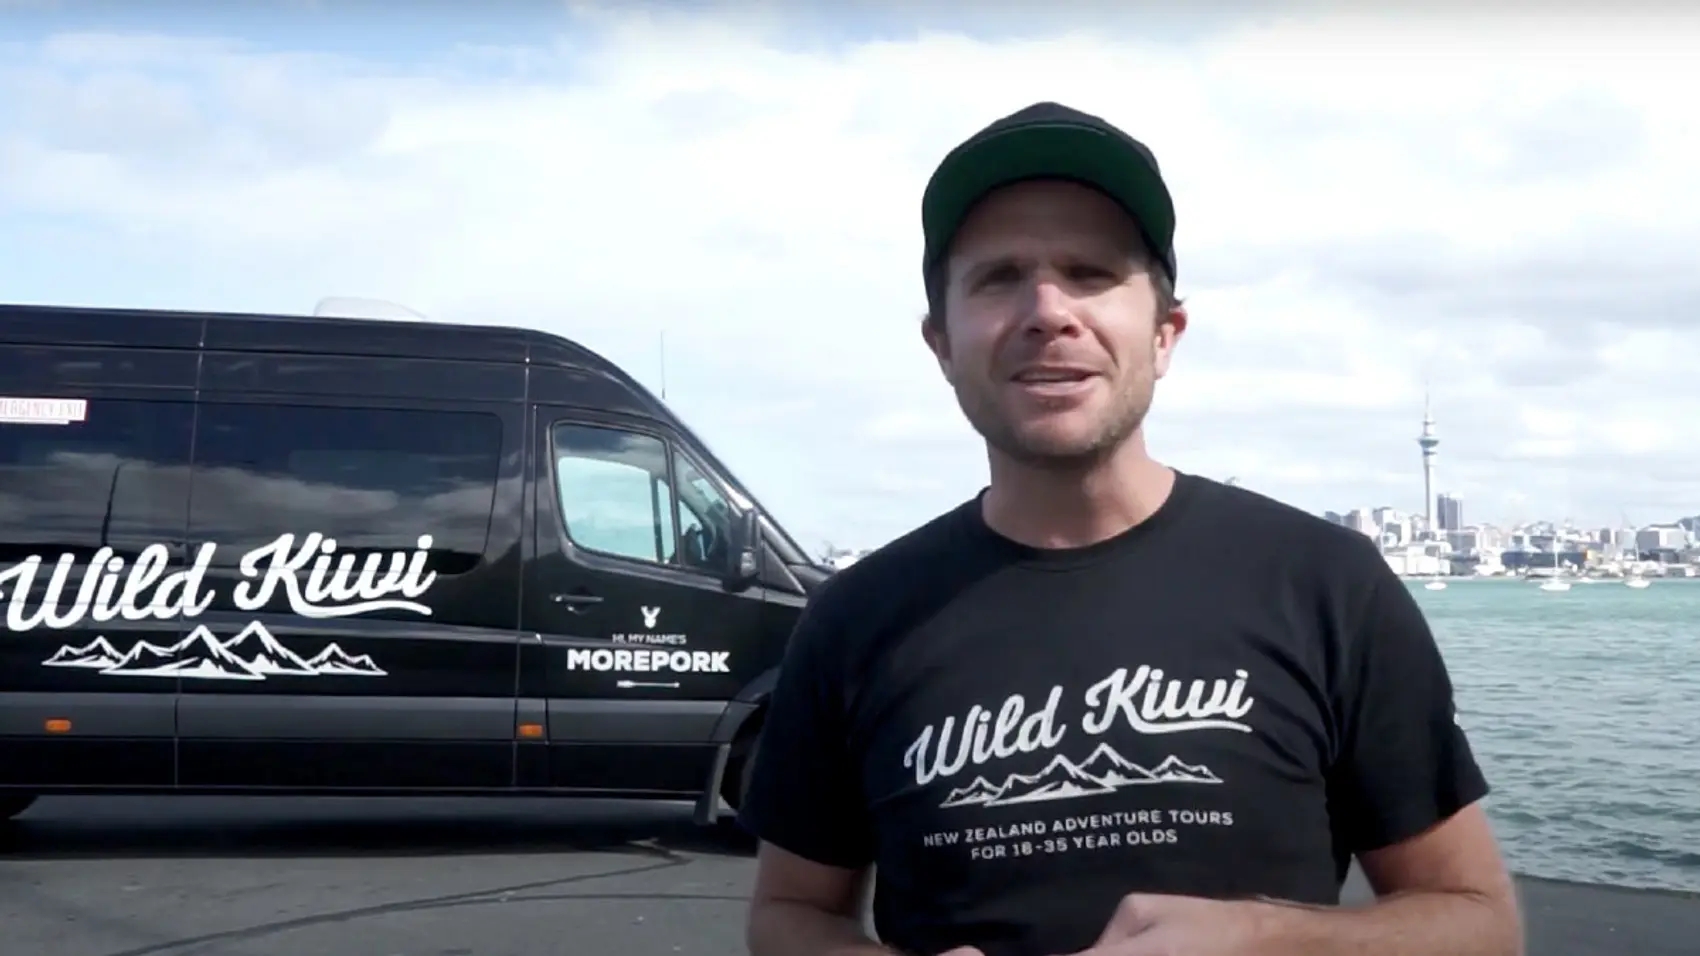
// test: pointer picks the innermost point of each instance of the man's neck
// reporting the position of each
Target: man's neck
(1071, 509)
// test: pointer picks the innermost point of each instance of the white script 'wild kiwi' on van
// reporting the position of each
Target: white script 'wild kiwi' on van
(334, 586)
(312, 577)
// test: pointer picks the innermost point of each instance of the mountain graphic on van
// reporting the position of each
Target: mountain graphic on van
(1105, 771)
(97, 655)
(264, 654)
(253, 654)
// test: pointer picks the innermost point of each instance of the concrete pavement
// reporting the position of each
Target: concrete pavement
(285, 877)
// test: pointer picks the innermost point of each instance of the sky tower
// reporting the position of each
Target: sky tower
(1428, 443)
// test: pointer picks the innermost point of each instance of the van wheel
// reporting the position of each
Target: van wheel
(12, 804)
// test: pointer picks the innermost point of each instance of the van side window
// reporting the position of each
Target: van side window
(614, 491)
(370, 478)
(119, 478)
(618, 497)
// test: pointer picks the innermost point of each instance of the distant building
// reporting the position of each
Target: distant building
(1400, 531)
(1621, 542)
(1450, 513)
(1465, 540)
(1661, 538)
(1416, 560)
(1663, 543)
(1361, 520)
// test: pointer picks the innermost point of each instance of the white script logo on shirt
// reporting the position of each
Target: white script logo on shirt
(1142, 700)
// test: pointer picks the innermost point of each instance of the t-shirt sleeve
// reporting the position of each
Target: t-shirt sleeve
(1403, 764)
(805, 790)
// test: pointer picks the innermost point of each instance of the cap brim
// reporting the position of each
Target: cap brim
(1066, 151)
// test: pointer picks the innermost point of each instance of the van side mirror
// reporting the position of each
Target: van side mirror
(741, 555)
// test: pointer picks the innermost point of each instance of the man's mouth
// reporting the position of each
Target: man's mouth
(1054, 383)
(1052, 376)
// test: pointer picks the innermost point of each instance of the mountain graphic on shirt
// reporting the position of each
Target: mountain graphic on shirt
(1105, 771)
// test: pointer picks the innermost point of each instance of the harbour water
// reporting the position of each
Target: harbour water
(1584, 708)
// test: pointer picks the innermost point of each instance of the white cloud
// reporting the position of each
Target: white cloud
(1504, 208)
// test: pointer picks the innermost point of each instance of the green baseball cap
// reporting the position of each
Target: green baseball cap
(1049, 141)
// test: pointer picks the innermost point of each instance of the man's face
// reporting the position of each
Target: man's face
(1052, 337)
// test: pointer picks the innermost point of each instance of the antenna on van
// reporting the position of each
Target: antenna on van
(662, 348)
(354, 307)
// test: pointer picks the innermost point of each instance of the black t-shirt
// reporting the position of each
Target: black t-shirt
(1228, 700)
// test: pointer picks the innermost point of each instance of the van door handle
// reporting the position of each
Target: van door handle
(575, 601)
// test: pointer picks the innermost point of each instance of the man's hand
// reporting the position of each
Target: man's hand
(1157, 925)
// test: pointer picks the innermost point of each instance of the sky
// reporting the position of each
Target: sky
(1500, 210)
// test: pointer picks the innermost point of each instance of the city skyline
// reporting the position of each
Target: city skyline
(1443, 510)
(1434, 540)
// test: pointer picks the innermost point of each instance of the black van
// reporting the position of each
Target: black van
(262, 554)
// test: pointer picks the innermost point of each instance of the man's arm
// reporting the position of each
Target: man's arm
(803, 908)
(805, 804)
(1444, 892)
(1406, 792)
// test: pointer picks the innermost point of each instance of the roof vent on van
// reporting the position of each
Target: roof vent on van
(353, 307)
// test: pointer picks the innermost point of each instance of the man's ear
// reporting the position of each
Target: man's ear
(938, 341)
(1170, 328)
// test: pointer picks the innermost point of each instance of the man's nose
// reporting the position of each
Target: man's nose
(1050, 308)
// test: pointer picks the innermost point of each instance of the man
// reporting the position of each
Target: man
(1106, 707)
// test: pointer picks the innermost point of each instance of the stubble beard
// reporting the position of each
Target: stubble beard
(1071, 453)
